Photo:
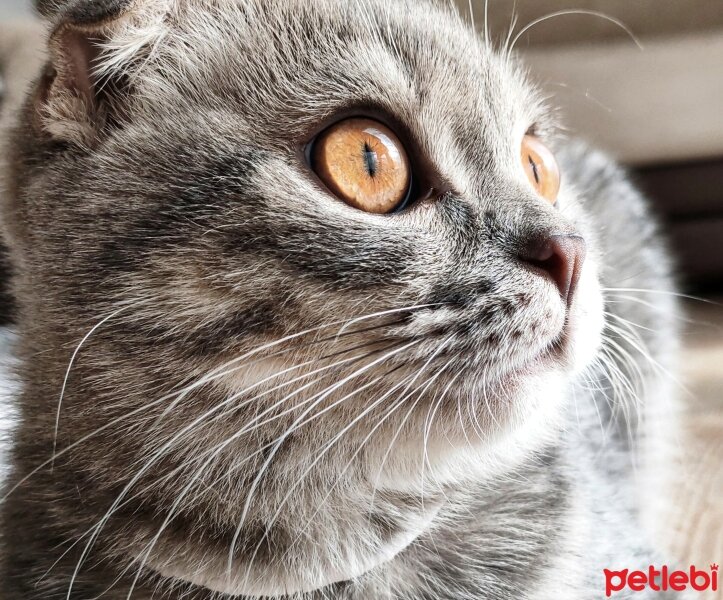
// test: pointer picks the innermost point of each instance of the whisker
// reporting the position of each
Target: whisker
(427, 385)
(178, 436)
(70, 367)
(487, 28)
(204, 380)
(402, 398)
(506, 49)
(218, 374)
(592, 13)
(274, 445)
(636, 342)
(627, 322)
(395, 406)
(431, 413)
(663, 293)
(386, 312)
(471, 17)
(288, 370)
(272, 454)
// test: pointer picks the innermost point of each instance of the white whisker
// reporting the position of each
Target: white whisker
(70, 367)
(592, 13)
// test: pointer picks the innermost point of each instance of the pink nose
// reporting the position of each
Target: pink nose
(559, 257)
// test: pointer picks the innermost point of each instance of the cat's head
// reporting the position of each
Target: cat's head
(314, 236)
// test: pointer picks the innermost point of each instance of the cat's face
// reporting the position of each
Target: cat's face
(199, 219)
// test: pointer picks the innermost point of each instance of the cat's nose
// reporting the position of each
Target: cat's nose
(559, 257)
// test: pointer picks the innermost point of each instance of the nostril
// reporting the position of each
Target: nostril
(561, 258)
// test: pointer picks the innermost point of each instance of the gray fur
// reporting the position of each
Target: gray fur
(176, 213)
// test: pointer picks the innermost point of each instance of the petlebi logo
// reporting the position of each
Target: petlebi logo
(661, 580)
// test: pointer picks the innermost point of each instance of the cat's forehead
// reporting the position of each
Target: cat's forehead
(286, 67)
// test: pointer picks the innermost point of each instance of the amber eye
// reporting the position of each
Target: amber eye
(364, 163)
(541, 168)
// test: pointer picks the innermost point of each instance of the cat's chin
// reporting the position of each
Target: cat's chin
(312, 567)
(450, 462)
(530, 404)
(525, 408)
(577, 344)
(585, 322)
(452, 457)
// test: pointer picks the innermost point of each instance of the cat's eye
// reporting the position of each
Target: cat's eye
(363, 162)
(540, 167)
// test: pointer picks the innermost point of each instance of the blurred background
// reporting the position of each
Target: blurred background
(13, 8)
(643, 80)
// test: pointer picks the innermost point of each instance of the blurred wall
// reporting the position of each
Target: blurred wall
(10, 9)
(647, 19)
(641, 79)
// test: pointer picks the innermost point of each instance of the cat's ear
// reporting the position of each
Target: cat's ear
(85, 87)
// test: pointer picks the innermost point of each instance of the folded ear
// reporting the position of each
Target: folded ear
(83, 10)
(91, 49)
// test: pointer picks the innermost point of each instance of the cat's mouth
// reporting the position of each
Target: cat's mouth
(560, 350)
(563, 342)
(556, 355)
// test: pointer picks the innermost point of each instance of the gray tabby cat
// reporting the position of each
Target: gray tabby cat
(302, 314)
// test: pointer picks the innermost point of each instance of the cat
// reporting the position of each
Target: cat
(313, 300)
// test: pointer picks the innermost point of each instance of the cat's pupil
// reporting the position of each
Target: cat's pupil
(535, 172)
(371, 161)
